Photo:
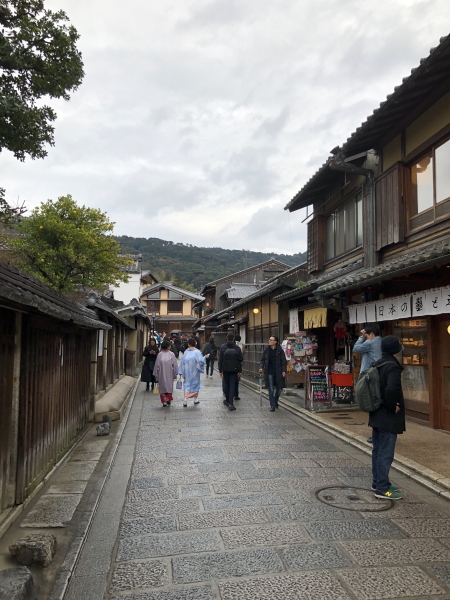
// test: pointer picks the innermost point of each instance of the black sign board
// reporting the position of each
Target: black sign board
(318, 387)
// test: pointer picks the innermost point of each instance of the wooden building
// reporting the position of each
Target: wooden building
(379, 234)
(48, 378)
(170, 307)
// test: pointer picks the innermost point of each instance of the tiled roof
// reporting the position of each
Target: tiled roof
(241, 291)
(420, 259)
(169, 285)
(315, 282)
(424, 80)
(23, 289)
(249, 269)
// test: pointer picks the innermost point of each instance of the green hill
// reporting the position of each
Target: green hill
(197, 266)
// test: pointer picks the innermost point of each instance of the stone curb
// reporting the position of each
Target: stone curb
(64, 576)
(436, 482)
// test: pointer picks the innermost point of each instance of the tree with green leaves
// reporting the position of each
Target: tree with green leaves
(9, 215)
(38, 59)
(69, 247)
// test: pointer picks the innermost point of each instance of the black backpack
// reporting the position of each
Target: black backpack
(231, 362)
(367, 391)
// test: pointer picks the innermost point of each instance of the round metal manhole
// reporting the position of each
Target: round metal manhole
(353, 498)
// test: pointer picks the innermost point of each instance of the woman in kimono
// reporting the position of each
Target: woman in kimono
(150, 353)
(191, 365)
(165, 371)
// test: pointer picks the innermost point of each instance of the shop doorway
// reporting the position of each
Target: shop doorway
(444, 407)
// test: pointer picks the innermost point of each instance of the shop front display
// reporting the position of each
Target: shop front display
(413, 335)
(300, 350)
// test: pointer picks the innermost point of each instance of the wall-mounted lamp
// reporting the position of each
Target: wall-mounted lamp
(207, 304)
(256, 311)
(90, 301)
(448, 329)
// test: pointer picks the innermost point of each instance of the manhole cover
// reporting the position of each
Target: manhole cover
(354, 423)
(337, 418)
(353, 498)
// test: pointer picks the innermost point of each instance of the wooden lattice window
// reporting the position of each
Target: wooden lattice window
(315, 244)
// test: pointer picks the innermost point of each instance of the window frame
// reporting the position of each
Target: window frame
(357, 199)
(430, 150)
(176, 295)
(170, 310)
(154, 295)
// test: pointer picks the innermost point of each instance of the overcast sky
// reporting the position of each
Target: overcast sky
(198, 120)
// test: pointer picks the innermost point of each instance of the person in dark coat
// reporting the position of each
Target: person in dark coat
(211, 350)
(273, 364)
(150, 353)
(230, 369)
(388, 420)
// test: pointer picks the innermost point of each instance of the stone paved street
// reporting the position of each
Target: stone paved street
(225, 506)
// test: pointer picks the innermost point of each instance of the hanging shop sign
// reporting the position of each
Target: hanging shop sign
(293, 320)
(315, 317)
(419, 304)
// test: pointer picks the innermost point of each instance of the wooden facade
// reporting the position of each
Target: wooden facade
(396, 164)
(57, 358)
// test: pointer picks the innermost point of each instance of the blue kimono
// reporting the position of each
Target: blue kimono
(191, 365)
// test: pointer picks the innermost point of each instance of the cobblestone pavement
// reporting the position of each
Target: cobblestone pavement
(226, 506)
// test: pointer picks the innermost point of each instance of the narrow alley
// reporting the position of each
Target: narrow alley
(206, 504)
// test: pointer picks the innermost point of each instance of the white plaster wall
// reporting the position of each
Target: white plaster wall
(127, 291)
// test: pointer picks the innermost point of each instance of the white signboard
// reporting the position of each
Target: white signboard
(293, 321)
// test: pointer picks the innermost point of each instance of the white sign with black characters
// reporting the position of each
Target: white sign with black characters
(293, 320)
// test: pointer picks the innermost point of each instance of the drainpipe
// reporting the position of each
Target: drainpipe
(369, 175)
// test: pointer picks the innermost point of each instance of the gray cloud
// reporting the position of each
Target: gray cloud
(203, 118)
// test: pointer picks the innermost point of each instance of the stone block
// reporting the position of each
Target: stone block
(389, 582)
(192, 593)
(305, 586)
(264, 535)
(396, 552)
(128, 576)
(152, 546)
(36, 549)
(17, 584)
(433, 528)
(352, 530)
(222, 518)
(221, 565)
(315, 556)
(242, 501)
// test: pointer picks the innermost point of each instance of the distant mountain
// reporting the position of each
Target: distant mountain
(197, 266)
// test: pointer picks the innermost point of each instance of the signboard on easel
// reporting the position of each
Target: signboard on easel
(318, 394)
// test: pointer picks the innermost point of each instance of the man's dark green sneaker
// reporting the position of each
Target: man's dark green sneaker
(389, 495)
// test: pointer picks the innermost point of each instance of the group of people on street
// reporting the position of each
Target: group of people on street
(387, 421)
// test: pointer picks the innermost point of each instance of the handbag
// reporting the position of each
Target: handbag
(179, 385)
(156, 389)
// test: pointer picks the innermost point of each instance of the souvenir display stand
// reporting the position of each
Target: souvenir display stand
(342, 379)
(318, 396)
(300, 349)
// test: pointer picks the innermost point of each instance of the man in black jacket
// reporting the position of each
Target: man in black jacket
(273, 364)
(388, 420)
(230, 369)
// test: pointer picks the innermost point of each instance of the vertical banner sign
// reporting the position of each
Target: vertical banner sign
(100, 343)
(293, 321)
(433, 302)
(445, 300)
(418, 304)
(371, 313)
(361, 313)
(317, 384)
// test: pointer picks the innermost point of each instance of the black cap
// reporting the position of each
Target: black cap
(390, 345)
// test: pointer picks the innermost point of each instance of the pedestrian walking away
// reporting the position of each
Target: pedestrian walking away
(165, 371)
(150, 352)
(230, 369)
(239, 344)
(210, 350)
(191, 365)
(273, 364)
(388, 420)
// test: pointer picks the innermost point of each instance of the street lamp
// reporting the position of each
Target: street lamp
(153, 323)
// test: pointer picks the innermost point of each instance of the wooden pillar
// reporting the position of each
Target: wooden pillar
(14, 423)
(94, 339)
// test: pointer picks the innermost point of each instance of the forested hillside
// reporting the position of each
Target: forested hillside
(197, 266)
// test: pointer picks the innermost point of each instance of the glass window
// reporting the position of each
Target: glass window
(339, 231)
(175, 296)
(350, 225)
(442, 160)
(153, 295)
(430, 186)
(153, 306)
(422, 185)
